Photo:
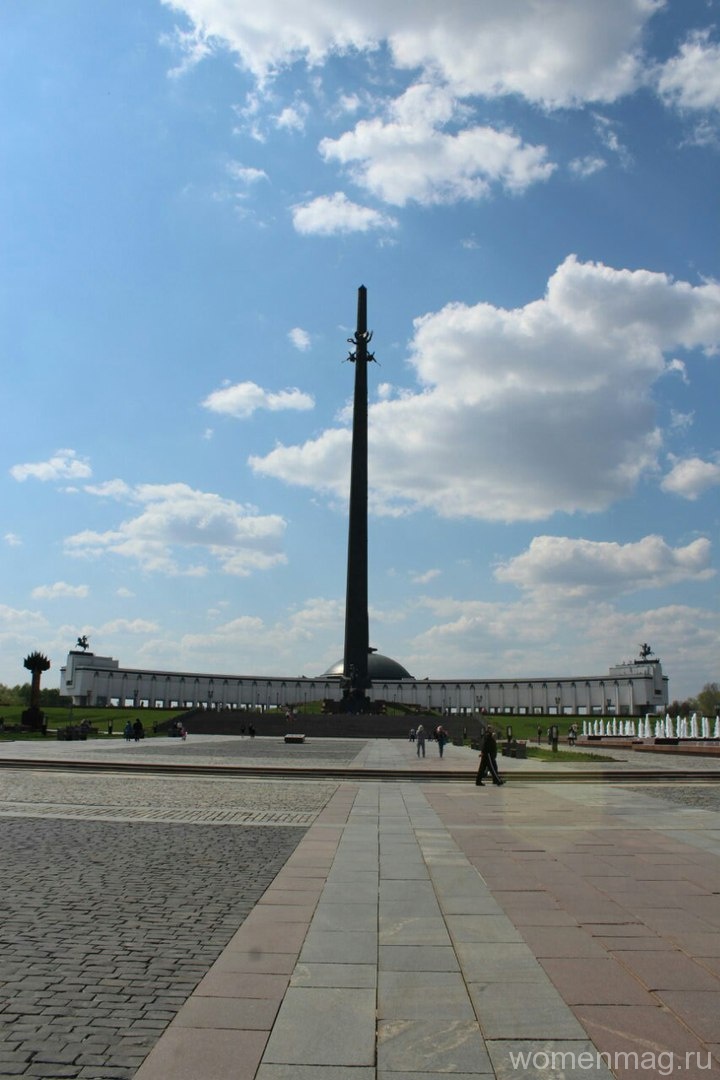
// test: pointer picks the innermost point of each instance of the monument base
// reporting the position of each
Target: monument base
(33, 718)
(355, 701)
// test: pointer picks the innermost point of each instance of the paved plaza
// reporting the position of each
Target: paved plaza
(176, 927)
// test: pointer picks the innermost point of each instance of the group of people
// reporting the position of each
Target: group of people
(134, 731)
(488, 751)
(419, 736)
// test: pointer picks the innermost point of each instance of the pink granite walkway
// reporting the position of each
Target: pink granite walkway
(421, 930)
(617, 893)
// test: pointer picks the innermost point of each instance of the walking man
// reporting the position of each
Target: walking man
(488, 760)
(420, 740)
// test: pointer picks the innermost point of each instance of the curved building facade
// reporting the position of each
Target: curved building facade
(628, 689)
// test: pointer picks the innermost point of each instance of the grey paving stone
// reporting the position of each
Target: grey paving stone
(319, 1026)
(417, 958)
(533, 1011)
(404, 995)
(427, 1045)
(313, 1072)
(341, 975)
(552, 1060)
(330, 947)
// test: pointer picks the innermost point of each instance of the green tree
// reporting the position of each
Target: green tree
(9, 695)
(708, 700)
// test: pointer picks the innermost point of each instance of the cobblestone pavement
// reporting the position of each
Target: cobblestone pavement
(25, 793)
(106, 927)
(271, 751)
(699, 796)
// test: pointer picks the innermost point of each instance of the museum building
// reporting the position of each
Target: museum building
(632, 688)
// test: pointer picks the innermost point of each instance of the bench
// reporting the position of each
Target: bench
(294, 738)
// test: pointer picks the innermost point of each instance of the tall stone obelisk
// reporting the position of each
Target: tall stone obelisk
(357, 642)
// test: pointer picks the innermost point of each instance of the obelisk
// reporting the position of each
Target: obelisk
(357, 642)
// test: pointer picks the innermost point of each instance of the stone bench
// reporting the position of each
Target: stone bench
(294, 738)
(515, 749)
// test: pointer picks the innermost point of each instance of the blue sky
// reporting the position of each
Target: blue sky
(192, 193)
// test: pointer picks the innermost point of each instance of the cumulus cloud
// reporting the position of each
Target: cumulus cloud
(691, 80)
(109, 489)
(15, 622)
(60, 590)
(267, 646)
(125, 626)
(246, 174)
(63, 465)
(293, 117)
(511, 639)
(409, 157)
(424, 577)
(586, 166)
(584, 568)
(691, 477)
(330, 215)
(556, 54)
(522, 413)
(241, 400)
(177, 524)
(299, 338)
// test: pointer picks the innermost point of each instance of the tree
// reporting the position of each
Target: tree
(9, 695)
(708, 700)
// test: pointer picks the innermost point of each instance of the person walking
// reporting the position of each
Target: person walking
(488, 760)
(420, 740)
(442, 737)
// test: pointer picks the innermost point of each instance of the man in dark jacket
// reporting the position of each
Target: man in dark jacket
(488, 760)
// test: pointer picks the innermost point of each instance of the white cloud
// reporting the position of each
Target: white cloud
(583, 568)
(178, 523)
(300, 338)
(408, 157)
(678, 367)
(293, 117)
(125, 626)
(268, 647)
(329, 215)
(63, 465)
(587, 166)
(12, 540)
(241, 400)
(245, 174)
(680, 421)
(691, 477)
(556, 54)
(691, 80)
(16, 622)
(425, 577)
(110, 489)
(606, 131)
(60, 590)
(526, 412)
(511, 639)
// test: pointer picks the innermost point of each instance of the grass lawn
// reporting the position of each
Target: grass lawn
(58, 718)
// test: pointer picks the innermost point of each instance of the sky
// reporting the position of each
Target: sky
(192, 192)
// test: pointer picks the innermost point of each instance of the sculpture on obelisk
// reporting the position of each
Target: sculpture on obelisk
(356, 680)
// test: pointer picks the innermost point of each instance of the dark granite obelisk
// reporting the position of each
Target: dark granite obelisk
(357, 642)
